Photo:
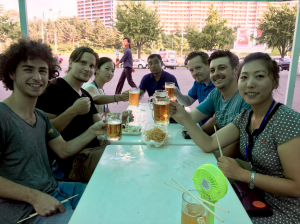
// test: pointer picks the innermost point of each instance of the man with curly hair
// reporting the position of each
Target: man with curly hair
(27, 184)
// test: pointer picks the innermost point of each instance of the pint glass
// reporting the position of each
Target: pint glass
(170, 87)
(161, 110)
(157, 93)
(114, 126)
(191, 211)
(134, 96)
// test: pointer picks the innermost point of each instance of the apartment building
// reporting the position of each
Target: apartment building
(242, 14)
(92, 9)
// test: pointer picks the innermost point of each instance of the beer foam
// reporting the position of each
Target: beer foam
(134, 92)
(114, 122)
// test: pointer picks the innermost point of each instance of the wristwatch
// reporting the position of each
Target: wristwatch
(251, 185)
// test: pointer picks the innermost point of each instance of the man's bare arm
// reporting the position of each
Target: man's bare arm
(43, 204)
(185, 100)
(197, 115)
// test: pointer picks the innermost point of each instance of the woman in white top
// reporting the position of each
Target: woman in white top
(104, 74)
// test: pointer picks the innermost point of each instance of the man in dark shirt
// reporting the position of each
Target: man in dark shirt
(27, 184)
(127, 65)
(72, 111)
(157, 78)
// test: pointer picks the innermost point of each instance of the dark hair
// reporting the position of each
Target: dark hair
(128, 39)
(78, 52)
(153, 56)
(22, 51)
(233, 59)
(271, 65)
(201, 54)
(102, 61)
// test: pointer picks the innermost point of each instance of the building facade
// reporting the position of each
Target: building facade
(92, 9)
(242, 14)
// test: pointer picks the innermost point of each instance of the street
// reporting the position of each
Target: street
(184, 80)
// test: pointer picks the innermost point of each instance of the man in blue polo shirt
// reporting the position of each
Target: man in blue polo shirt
(197, 63)
(157, 78)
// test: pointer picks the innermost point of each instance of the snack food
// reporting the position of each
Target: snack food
(131, 129)
(155, 134)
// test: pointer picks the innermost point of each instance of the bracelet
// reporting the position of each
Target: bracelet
(251, 185)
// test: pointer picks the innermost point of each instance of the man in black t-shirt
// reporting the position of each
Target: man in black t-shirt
(71, 110)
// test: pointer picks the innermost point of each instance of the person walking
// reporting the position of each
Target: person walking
(127, 71)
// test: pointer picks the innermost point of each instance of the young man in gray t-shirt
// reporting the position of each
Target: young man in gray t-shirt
(26, 181)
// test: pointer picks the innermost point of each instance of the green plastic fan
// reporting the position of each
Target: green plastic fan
(209, 179)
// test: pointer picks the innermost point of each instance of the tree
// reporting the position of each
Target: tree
(9, 30)
(278, 27)
(139, 22)
(99, 33)
(177, 30)
(111, 36)
(177, 44)
(86, 28)
(214, 34)
(190, 27)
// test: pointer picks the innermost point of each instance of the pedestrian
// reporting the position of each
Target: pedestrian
(127, 65)
(60, 59)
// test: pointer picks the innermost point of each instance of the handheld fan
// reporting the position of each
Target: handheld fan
(209, 179)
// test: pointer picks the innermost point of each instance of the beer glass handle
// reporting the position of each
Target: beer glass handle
(150, 103)
(201, 220)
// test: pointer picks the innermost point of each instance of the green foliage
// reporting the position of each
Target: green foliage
(85, 43)
(99, 33)
(278, 27)
(139, 22)
(215, 34)
(177, 44)
(8, 28)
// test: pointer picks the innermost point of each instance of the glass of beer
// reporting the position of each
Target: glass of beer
(161, 108)
(114, 126)
(134, 97)
(170, 87)
(191, 211)
(157, 93)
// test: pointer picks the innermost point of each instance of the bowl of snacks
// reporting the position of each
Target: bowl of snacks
(131, 130)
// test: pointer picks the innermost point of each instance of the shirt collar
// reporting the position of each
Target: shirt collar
(162, 75)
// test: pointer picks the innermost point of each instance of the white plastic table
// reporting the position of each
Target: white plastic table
(143, 115)
(127, 187)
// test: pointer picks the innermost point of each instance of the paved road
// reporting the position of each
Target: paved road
(185, 81)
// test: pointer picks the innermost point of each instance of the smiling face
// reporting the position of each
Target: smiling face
(255, 84)
(31, 77)
(221, 73)
(83, 69)
(106, 72)
(155, 65)
(199, 70)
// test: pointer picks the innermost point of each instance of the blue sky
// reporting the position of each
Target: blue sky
(36, 7)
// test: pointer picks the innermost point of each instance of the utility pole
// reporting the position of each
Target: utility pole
(181, 44)
(172, 43)
(73, 43)
(42, 33)
(55, 43)
(152, 48)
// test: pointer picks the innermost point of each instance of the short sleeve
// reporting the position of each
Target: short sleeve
(52, 133)
(207, 106)
(47, 102)
(193, 92)
(240, 118)
(143, 83)
(2, 138)
(287, 125)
